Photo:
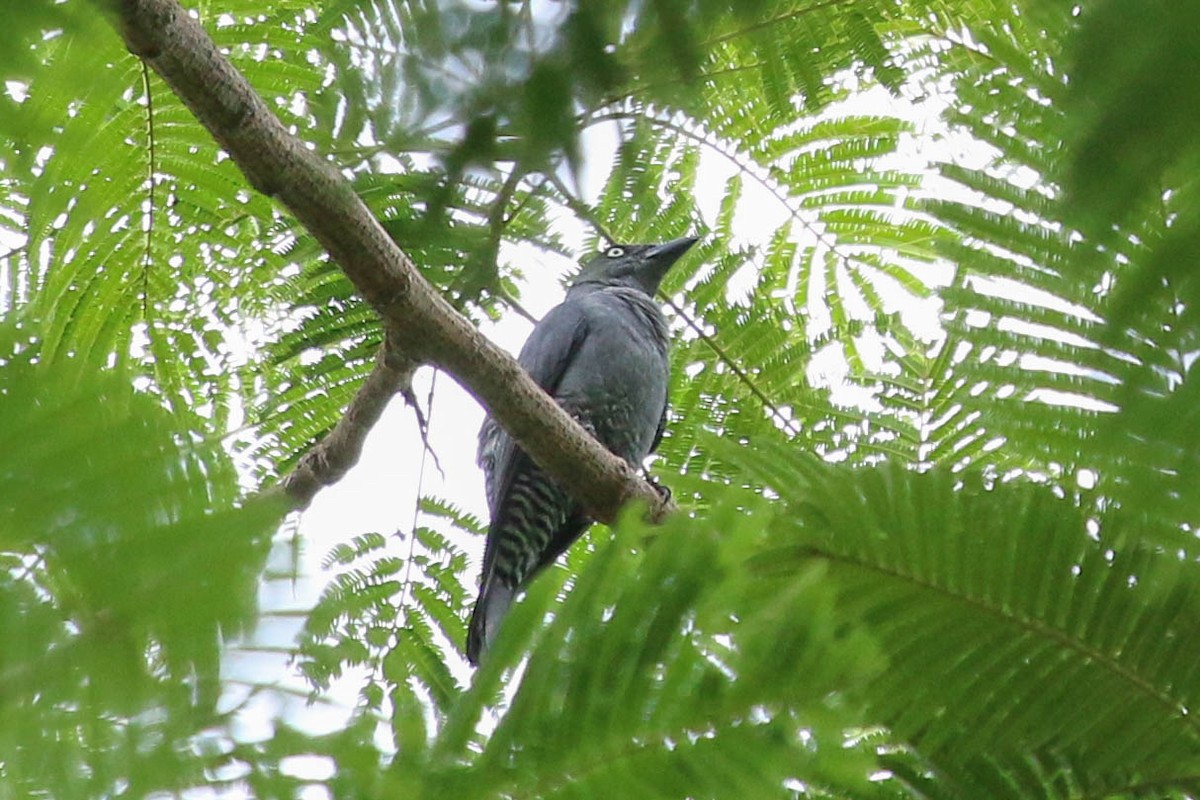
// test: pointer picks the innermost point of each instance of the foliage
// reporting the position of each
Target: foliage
(933, 423)
(128, 560)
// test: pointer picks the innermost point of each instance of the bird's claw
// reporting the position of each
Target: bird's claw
(663, 491)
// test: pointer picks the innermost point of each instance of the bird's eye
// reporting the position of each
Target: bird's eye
(615, 252)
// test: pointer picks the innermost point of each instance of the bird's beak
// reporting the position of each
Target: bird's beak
(658, 259)
(670, 252)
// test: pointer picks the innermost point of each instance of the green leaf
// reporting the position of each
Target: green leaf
(129, 561)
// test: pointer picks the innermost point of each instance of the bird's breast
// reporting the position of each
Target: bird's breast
(617, 383)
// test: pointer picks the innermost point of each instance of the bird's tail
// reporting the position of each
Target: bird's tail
(490, 608)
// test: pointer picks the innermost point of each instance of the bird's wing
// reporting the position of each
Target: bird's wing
(546, 355)
(493, 447)
(662, 427)
(552, 345)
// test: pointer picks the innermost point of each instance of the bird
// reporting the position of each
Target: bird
(602, 355)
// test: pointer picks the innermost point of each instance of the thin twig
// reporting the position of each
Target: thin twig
(152, 168)
(423, 420)
(412, 537)
(579, 207)
(728, 360)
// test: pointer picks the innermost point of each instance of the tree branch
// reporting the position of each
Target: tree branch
(334, 455)
(419, 321)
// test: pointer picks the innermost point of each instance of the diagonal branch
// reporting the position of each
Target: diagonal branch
(423, 326)
(331, 458)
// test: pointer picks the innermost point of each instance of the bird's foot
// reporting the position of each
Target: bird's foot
(663, 491)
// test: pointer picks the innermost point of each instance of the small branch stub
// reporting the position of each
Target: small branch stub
(331, 458)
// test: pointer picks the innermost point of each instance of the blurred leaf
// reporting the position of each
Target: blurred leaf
(1135, 87)
(128, 563)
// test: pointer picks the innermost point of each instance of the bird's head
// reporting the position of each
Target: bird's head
(641, 266)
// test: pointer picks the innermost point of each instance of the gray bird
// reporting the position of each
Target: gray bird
(602, 354)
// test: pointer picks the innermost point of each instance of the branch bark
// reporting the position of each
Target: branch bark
(418, 319)
(334, 455)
